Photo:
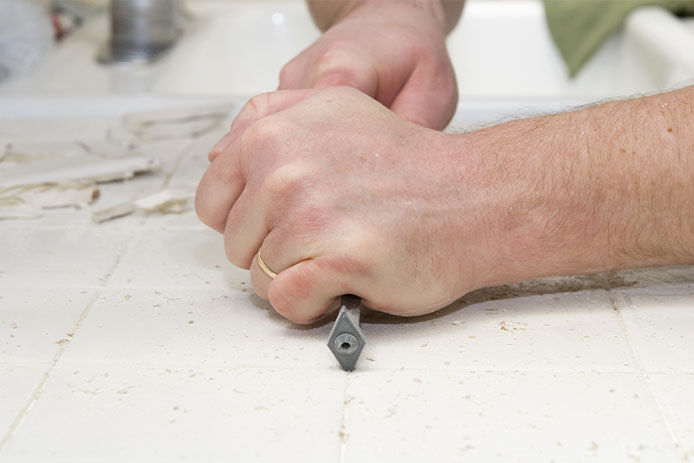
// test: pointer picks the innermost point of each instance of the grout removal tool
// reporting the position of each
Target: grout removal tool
(346, 339)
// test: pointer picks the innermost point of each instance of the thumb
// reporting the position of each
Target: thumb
(364, 79)
(305, 291)
(428, 98)
(343, 66)
(257, 108)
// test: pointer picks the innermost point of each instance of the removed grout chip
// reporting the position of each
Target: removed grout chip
(113, 212)
(167, 201)
(77, 168)
(184, 122)
(29, 201)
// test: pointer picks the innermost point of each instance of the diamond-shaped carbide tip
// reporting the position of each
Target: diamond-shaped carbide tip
(346, 339)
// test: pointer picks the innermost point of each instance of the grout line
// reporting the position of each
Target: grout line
(38, 390)
(344, 421)
(185, 152)
(642, 369)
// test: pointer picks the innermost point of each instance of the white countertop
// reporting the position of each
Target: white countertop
(135, 340)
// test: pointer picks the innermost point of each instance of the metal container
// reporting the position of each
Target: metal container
(141, 29)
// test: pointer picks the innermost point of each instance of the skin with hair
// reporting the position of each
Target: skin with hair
(343, 195)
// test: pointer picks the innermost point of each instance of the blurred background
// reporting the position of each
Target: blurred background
(502, 51)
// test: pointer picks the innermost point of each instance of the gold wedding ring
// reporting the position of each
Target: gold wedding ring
(265, 268)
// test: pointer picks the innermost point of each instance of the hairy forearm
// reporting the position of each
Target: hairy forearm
(326, 12)
(602, 188)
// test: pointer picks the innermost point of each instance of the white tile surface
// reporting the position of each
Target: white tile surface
(178, 258)
(176, 359)
(34, 320)
(554, 332)
(503, 416)
(195, 328)
(660, 323)
(34, 324)
(17, 383)
(48, 258)
(674, 392)
(104, 412)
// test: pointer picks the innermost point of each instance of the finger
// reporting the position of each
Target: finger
(429, 96)
(264, 203)
(260, 280)
(364, 79)
(338, 68)
(332, 68)
(258, 107)
(246, 227)
(281, 249)
(218, 190)
(292, 73)
(306, 290)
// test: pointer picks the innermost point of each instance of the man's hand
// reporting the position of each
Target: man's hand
(341, 195)
(392, 50)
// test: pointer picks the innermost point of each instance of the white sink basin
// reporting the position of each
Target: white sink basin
(502, 52)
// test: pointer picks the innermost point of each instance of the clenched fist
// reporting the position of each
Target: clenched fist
(341, 196)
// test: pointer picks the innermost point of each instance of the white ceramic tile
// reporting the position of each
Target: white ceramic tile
(674, 392)
(177, 259)
(577, 331)
(34, 321)
(187, 219)
(103, 412)
(46, 258)
(195, 328)
(17, 383)
(660, 323)
(503, 416)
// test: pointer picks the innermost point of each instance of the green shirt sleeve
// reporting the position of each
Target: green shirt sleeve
(579, 27)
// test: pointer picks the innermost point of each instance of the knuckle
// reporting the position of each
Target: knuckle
(336, 66)
(285, 181)
(337, 54)
(287, 73)
(262, 132)
(257, 104)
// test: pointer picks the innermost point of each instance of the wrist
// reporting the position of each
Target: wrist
(428, 14)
